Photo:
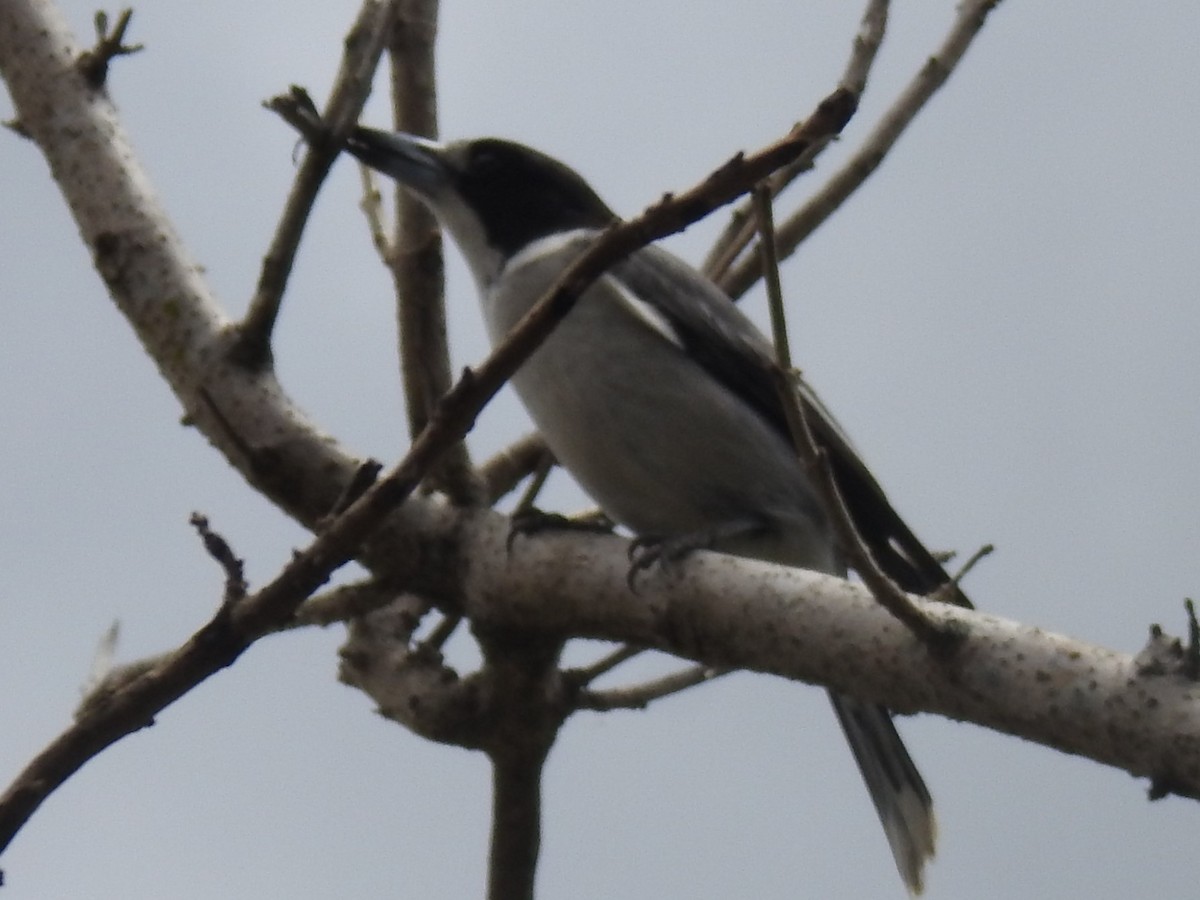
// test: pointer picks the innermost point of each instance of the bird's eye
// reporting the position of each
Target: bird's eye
(485, 161)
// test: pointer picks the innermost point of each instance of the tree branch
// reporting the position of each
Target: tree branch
(585, 675)
(1139, 714)
(1075, 697)
(341, 604)
(412, 685)
(866, 46)
(364, 46)
(970, 20)
(516, 824)
(639, 696)
(739, 232)
(215, 645)
(528, 701)
(815, 459)
(109, 45)
(507, 468)
(416, 259)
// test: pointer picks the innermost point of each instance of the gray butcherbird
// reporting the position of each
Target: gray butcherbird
(654, 394)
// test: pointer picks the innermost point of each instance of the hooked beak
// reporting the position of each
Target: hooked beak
(413, 161)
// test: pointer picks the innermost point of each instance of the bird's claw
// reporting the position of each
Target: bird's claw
(647, 551)
(531, 520)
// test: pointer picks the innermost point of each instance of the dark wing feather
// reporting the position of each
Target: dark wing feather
(734, 352)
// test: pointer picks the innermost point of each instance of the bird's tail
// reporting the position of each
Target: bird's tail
(895, 785)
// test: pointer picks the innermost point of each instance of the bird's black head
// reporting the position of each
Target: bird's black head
(521, 195)
(495, 197)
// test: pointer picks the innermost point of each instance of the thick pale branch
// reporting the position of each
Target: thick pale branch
(412, 685)
(150, 275)
(730, 612)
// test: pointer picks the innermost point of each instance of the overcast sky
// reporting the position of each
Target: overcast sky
(1005, 320)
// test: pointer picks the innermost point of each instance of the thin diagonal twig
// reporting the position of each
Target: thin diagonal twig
(933, 74)
(585, 675)
(364, 46)
(815, 459)
(738, 234)
(639, 696)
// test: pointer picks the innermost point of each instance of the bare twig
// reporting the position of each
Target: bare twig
(933, 74)
(858, 554)
(364, 476)
(761, 199)
(364, 45)
(867, 41)
(585, 675)
(371, 205)
(416, 260)
(640, 696)
(972, 561)
(341, 604)
(218, 643)
(815, 459)
(109, 44)
(441, 633)
(218, 548)
(103, 660)
(740, 231)
(504, 471)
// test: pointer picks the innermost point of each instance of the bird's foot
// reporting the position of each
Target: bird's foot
(531, 521)
(646, 551)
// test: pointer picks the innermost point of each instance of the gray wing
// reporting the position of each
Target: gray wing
(729, 347)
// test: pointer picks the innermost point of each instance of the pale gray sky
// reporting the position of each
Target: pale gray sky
(1005, 320)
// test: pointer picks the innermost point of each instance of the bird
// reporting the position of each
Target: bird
(654, 393)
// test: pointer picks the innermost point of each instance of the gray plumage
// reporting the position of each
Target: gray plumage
(655, 395)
